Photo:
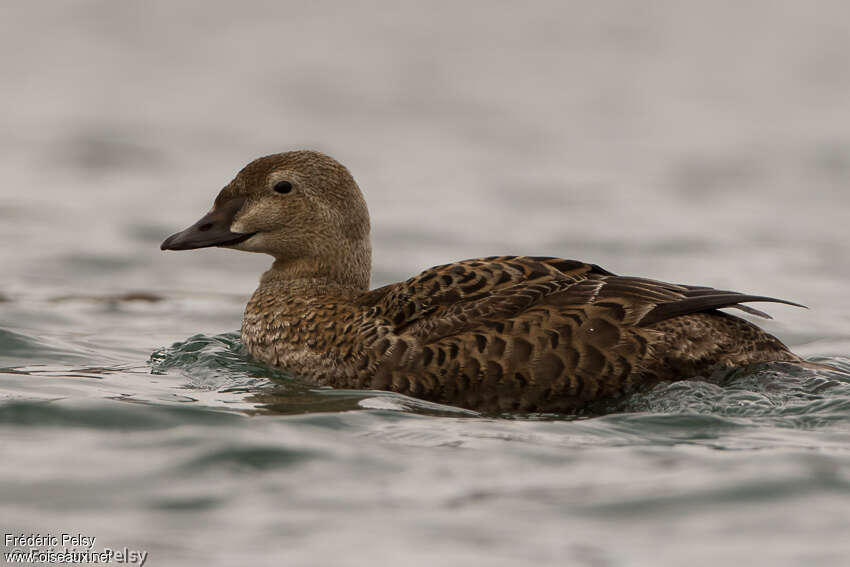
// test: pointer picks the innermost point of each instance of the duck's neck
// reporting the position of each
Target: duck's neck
(345, 270)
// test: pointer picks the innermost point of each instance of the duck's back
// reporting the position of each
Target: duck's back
(546, 334)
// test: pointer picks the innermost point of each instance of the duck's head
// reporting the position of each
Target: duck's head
(303, 207)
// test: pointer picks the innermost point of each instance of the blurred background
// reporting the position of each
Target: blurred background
(702, 141)
(697, 142)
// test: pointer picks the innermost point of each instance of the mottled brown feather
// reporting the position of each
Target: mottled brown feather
(498, 334)
(530, 337)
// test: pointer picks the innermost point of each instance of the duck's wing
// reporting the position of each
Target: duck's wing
(458, 297)
(467, 282)
(538, 334)
(645, 302)
(695, 299)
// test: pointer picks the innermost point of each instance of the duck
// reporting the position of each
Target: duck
(499, 334)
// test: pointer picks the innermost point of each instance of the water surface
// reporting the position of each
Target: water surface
(703, 143)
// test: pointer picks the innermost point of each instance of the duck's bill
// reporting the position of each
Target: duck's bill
(212, 230)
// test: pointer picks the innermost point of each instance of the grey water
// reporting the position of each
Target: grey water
(701, 142)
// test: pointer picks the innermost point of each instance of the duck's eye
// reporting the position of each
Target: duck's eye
(283, 187)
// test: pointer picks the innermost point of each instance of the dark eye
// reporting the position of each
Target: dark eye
(283, 187)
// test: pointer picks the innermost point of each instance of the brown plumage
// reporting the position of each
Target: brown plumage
(508, 333)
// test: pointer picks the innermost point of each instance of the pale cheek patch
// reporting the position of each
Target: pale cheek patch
(242, 223)
(254, 217)
(238, 226)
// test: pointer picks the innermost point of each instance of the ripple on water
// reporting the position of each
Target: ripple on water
(108, 415)
(211, 358)
(780, 393)
(18, 348)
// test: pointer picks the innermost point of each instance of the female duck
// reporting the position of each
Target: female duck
(508, 333)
